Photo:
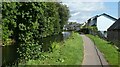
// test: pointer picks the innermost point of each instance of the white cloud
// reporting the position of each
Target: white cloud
(73, 20)
(74, 14)
(81, 11)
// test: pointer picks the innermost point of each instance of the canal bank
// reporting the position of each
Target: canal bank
(10, 55)
(70, 52)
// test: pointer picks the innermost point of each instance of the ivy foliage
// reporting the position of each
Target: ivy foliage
(26, 23)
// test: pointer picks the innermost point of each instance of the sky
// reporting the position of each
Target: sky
(82, 10)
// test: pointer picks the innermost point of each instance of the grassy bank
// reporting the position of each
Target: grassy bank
(0, 34)
(109, 51)
(69, 52)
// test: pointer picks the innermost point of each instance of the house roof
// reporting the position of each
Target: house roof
(115, 26)
(94, 17)
(97, 16)
(108, 16)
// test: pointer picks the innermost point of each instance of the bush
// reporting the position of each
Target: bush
(28, 22)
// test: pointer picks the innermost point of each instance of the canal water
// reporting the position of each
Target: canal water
(10, 55)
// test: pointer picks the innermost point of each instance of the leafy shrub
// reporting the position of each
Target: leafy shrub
(28, 22)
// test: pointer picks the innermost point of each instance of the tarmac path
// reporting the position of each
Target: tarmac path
(92, 56)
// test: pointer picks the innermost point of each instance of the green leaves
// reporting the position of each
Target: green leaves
(22, 27)
(28, 22)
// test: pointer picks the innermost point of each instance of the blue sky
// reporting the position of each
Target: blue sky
(80, 11)
(112, 8)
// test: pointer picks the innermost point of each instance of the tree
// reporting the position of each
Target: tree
(64, 14)
(28, 22)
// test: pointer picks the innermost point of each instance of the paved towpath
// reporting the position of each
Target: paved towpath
(92, 56)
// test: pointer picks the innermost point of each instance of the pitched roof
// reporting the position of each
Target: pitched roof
(95, 17)
(115, 26)
(108, 16)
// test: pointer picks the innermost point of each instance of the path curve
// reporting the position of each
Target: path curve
(92, 56)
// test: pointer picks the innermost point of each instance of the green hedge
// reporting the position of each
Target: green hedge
(25, 23)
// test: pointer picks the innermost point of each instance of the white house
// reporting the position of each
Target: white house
(103, 22)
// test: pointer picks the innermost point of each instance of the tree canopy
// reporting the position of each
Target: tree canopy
(27, 22)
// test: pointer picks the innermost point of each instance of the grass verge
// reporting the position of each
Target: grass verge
(70, 52)
(109, 51)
